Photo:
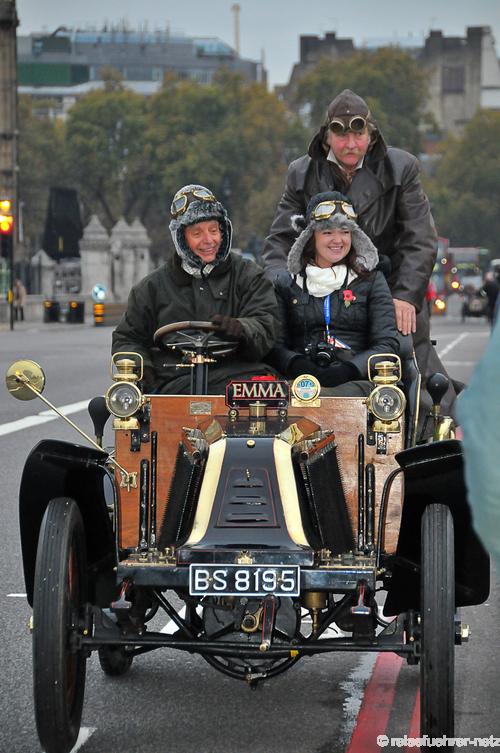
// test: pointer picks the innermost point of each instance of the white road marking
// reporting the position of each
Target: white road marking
(85, 733)
(354, 689)
(170, 628)
(459, 363)
(17, 596)
(453, 343)
(67, 410)
(42, 417)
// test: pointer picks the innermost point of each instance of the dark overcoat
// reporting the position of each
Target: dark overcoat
(236, 287)
(394, 212)
(367, 325)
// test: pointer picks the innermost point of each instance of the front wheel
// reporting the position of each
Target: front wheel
(60, 590)
(437, 664)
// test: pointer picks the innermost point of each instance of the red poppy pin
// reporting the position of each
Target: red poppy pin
(349, 297)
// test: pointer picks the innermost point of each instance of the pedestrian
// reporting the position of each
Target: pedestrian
(490, 289)
(201, 281)
(336, 309)
(19, 300)
(349, 154)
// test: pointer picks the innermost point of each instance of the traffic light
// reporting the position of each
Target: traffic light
(6, 218)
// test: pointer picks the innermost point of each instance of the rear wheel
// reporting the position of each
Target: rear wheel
(437, 665)
(60, 590)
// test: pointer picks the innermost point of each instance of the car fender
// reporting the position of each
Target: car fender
(434, 474)
(62, 469)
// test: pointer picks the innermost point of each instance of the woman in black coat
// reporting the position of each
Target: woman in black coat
(335, 307)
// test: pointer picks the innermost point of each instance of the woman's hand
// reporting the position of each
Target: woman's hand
(338, 373)
(303, 365)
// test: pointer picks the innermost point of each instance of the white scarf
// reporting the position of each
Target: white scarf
(322, 281)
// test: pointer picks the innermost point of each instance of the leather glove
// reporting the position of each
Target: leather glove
(303, 365)
(149, 380)
(228, 326)
(338, 373)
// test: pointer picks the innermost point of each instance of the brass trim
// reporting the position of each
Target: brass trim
(445, 429)
(19, 374)
(417, 412)
(213, 468)
(244, 558)
(376, 390)
(396, 362)
(126, 424)
(128, 481)
(22, 377)
(298, 401)
(119, 374)
(288, 491)
(257, 410)
(136, 390)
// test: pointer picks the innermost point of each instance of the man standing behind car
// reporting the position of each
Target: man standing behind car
(349, 154)
(202, 281)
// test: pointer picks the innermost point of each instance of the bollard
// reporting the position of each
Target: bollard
(76, 312)
(51, 311)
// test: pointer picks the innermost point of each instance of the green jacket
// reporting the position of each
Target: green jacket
(237, 287)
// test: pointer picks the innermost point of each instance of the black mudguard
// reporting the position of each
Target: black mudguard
(434, 474)
(61, 469)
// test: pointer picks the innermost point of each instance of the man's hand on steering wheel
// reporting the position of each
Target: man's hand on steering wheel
(228, 326)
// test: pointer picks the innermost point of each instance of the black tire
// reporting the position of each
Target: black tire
(437, 664)
(60, 590)
(114, 660)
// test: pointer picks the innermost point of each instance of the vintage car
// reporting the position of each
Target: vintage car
(474, 303)
(252, 511)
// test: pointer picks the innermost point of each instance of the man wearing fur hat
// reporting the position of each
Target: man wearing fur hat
(202, 281)
(349, 154)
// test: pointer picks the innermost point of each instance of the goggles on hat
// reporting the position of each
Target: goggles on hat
(182, 199)
(325, 209)
(356, 124)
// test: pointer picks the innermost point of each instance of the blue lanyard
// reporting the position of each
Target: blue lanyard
(326, 310)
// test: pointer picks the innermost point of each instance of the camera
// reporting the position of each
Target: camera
(323, 353)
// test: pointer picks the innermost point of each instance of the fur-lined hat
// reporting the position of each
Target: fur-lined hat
(366, 253)
(199, 210)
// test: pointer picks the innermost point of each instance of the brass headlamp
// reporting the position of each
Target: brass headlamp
(124, 397)
(386, 401)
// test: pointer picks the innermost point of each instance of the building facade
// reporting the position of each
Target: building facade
(65, 64)
(464, 76)
(464, 72)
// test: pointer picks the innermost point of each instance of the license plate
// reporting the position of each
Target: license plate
(244, 580)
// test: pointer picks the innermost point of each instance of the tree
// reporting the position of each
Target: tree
(41, 163)
(465, 192)
(232, 136)
(105, 146)
(390, 81)
(127, 154)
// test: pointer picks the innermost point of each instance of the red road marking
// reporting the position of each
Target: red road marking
(377, 704)
(414, 730)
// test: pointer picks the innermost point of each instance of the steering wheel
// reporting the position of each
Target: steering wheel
(211, 345)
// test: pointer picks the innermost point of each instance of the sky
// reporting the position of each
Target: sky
(269, 28)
